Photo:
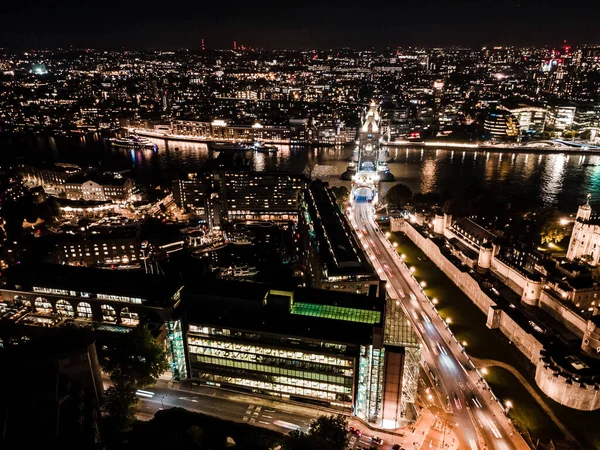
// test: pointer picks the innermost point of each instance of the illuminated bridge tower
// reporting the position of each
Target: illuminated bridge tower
(371, 166)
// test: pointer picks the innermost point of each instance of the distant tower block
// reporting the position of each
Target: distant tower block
(591, 338)
(532, 292)
(484, 261)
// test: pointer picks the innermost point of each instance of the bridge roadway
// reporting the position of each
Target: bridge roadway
(480, 422)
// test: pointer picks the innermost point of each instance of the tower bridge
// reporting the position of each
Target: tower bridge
(371, 159)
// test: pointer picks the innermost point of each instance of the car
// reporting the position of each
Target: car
(457, 401)
(376, 440)
(355, 431)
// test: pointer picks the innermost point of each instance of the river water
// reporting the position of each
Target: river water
(547, 179)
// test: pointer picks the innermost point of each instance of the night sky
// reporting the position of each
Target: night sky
(296, 24)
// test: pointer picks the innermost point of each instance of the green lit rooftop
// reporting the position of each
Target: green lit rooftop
(336, 312)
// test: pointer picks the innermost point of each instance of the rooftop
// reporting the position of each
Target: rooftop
(154, 290)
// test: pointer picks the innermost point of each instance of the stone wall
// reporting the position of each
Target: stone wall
(524, 341)
(575, 323)
(551, 379)
(513, 279)
(562, 389)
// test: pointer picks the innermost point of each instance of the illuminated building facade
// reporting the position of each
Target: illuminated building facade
(531, 119)
(99, 188)
(99, 252)
(585, 238)
(54, 177)
(502, 125)
(47, 294)
(334, 259)
(260, 195)
(193, 194)
(561, 118)
(303, 344)
(222, 130)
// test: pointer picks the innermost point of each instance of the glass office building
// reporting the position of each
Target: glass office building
(304, 345)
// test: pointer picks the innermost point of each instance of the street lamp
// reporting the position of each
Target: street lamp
(484, 371)
(412, 269)
(162, 400)
(387, 234)
(403, 256)
(448, 320)
(508, 404)
(435, 301)
(395, 244)
(464, 343)
(423, 284)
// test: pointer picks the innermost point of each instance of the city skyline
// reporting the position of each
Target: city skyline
(135, 25)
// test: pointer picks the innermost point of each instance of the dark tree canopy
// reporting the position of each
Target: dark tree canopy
(139, 360)
(341, 193)
(398, 195)
(324, 433)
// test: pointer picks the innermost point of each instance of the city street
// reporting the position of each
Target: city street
(480, 423)
(430, 431)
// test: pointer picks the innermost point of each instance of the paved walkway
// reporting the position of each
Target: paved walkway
(493, 363)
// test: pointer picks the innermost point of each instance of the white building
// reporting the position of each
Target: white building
(562, 117)
(585, 240)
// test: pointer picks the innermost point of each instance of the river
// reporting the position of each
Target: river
(547, 179)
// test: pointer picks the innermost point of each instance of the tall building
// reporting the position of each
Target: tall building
(303, 344)
(250, 195)
(334, 259)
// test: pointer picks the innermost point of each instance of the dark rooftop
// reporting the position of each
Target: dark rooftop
(156, 290)
(339, 249)
(100, 178)
(262, 307)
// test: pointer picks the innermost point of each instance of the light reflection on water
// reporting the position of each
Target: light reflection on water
(551, 179)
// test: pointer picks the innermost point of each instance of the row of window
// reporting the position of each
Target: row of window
(281, 366)
(84, 310)
(242, 367)
(275, 352)
(273, 387)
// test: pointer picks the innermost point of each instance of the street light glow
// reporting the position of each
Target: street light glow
(395, 244)
(435, 301)
(387, 234)
(412, 269)
(484, 371)
(423, 284)
(448, 320)
(509, 404)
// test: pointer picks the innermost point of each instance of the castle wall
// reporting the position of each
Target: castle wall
(560, 388)
(575, 323)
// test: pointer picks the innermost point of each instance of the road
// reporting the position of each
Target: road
(480, 424)
(256, 411)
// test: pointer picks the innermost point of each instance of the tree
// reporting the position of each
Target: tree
(398, 195)
(324, 433)
(139, 359)
(548, 222)
(341, 194)
(119, 402)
